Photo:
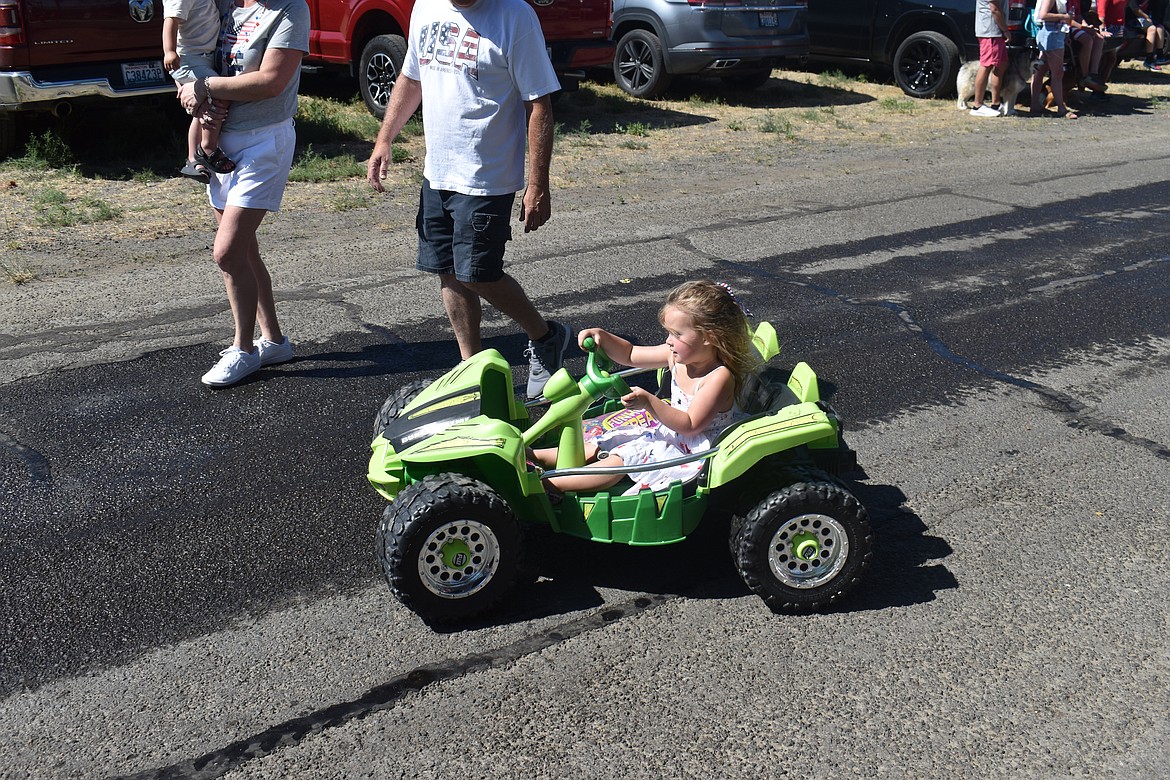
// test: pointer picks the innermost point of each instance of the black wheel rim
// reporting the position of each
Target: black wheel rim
(922, 67)
(636, 64)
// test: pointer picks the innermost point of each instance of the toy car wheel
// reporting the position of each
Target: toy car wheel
(449, 546)
(380, 65)
(803, 547)
(395, 403)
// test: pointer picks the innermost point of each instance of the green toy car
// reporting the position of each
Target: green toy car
(450, 458)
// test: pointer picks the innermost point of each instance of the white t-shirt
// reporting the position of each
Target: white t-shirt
(247, 33)
(477, 67)
(198, 24)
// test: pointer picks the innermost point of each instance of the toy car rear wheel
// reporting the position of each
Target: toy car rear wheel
(449, 546)
(395, 403)
(803, 547)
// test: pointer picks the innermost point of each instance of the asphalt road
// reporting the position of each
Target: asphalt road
(188, 587)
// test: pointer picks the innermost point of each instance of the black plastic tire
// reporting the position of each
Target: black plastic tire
(748, 80)
(450, 548)
(639, 65)
(395, 403)
(803, 547)
(926, 64)
(380, 65)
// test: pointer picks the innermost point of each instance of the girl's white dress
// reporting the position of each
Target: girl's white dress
(639, 438)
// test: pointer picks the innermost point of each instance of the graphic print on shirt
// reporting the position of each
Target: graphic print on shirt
(235, 41)
(445, 45)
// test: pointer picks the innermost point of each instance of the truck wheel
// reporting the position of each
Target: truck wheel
(395, 403)
(379, 68)
(925, 65)
(639, 66)
(804, 546)
(8, 135)
(449, 547)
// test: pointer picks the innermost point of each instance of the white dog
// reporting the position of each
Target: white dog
(1016, 79)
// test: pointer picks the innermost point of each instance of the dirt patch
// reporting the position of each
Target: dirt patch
(609, 149)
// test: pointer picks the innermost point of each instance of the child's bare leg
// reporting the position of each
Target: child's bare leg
(211, 124)
(547, 456)
(193, 133)
(589, 482)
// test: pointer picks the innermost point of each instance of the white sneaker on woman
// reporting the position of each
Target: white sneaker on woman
(234, 364)
(273, 352)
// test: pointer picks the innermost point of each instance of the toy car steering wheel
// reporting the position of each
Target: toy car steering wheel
(601, 373)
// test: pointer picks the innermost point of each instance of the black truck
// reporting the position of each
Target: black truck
(922, 41)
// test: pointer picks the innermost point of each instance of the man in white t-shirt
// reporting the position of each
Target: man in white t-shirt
(481, 71)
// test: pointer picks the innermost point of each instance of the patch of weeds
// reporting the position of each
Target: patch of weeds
(637, 129)
(54, 209)
(701, 101)
(144, 176)
(312, 167)
(630, 143)
(328, 121)
(735, 124)
(47, 150)
(897, 105)
(17, 273)
(778, 125)
(349, 198)
(583, 135)
(834, 79)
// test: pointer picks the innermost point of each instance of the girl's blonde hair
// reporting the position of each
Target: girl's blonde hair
(716, 314)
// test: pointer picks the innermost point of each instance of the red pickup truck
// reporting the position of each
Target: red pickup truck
(55, 55)
(367, 38)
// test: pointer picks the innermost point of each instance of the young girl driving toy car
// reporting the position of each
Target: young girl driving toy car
(708, 354)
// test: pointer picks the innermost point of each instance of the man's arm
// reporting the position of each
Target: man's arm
(405, 99)
(536, 207)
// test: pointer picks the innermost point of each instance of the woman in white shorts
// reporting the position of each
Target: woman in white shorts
(260, 51)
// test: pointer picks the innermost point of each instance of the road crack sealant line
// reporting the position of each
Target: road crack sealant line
(1075, 414)
(381, 697)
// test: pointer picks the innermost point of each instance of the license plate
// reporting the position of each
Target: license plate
(769, 19)
(136, 74)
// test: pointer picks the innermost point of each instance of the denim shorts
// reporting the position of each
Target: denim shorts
(463, 235)
(1050, 39)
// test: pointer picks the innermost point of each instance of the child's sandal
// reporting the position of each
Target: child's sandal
(216, 161)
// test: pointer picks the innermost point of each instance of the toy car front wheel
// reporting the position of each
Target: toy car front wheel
(449, 547)
(803, 547)
(395, 403)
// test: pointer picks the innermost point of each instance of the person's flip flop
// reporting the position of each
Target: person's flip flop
(193, 170)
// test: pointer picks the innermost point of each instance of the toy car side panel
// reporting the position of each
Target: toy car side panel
(486, 373)
(752, 440)
(803, 382)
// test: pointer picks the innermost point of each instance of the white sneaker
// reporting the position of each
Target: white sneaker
(234, 364)
(272, 352)
(984, 111)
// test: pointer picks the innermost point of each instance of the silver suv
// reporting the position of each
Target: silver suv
(740, 41)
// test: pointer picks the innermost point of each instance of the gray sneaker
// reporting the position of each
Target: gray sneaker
(272, 352)
(546, 357)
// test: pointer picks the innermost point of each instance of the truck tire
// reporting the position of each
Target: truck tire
(639, 66)
(450, 548)
(7, 135)
(379, 68)
(925, 65)
(804, 546)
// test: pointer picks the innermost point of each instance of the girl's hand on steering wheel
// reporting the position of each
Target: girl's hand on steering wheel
(589, 333)
(637, 398)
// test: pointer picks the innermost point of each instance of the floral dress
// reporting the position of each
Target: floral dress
(639, 438)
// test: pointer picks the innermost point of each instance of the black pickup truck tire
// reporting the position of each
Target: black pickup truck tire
(380, 66)
(925, 65)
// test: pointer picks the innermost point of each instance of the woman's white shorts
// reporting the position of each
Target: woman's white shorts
(263, 158)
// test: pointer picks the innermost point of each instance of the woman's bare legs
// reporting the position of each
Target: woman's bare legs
(245, 277)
